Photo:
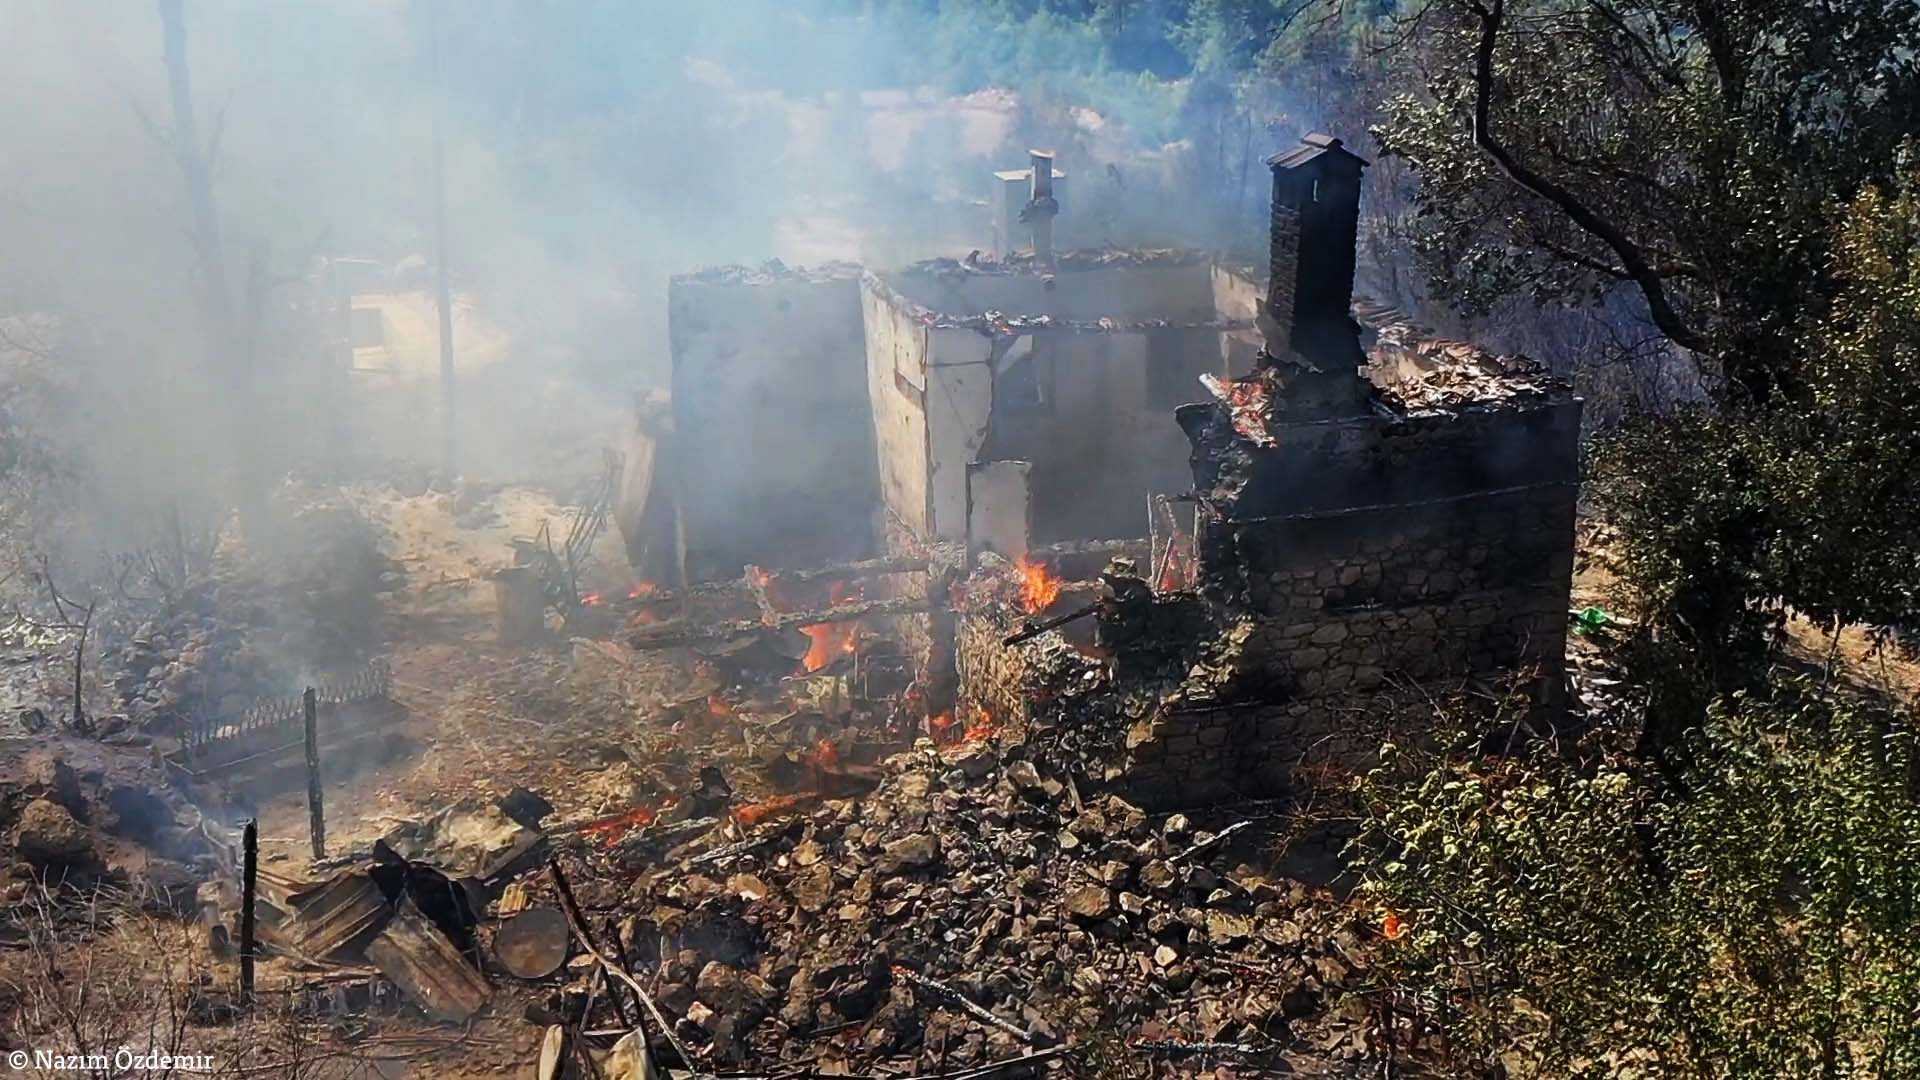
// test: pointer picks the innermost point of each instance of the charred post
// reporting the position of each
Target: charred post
(316, 813)
(249, 885)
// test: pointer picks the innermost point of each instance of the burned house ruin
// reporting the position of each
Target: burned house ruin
(1308, 530)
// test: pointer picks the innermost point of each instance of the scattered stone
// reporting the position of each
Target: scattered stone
(730, 990)
(747, 887)
(50, 777)
(48, 833)
(1157, 876)
(1023, 776)
(909, 853)
(975, 758)
(1225, 927)
(1090, 902)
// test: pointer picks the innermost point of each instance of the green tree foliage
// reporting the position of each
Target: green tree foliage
(1567, 914)
(1848, 467)
(1689, 151)
(1723, 517)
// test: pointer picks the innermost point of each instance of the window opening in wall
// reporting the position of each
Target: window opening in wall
(1174, 368)
(368, 326)
(1026, 387)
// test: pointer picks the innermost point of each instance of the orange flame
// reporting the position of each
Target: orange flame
(831, 640)
(1039, 588)
(643, 590)
(719, 706)
(939, 726)
(1392, 928)
(981, 727)
(592, 599)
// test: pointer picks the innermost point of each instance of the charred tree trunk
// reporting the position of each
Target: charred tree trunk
(216, 302)
(227, 362)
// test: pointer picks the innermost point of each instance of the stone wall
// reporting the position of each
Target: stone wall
(1374, 460)
(1277, 749)
(1331, 619)
(998, 678)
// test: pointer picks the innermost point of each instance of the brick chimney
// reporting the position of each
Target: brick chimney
(1308, 322)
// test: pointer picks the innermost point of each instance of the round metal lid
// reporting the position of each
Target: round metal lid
(532, 944)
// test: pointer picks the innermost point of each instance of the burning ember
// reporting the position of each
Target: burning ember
(593, 599)
(981, 727)
(1249, 403)
(1039, 588)
(608, 831)
(831, 641)
(824, 756)
(719, 706)
(945, 730)
(755, 813)
(643, 590)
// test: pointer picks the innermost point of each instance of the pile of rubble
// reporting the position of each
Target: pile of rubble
(974, 909)
(77, 813)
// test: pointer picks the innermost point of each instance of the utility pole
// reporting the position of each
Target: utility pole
(444, 290)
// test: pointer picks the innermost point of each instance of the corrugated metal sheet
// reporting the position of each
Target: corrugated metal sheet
(345, 909)
(427, 968)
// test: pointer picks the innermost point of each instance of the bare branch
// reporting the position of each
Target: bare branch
(1632, 259)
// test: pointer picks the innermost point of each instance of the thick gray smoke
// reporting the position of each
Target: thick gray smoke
(592, 149)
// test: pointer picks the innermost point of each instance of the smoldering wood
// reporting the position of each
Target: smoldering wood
(316, 813)
(79, 659)
(679, 632)
(864, 568)
(892, 564)
(1092, 547)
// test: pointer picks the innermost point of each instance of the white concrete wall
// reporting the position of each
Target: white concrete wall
(775, 442)
(1106, 440)
(959, 405)
(896, 351)
(1237, 296)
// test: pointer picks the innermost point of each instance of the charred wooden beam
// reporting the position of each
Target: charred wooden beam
(1035, 629)
(749, 583)
(679, 632)
(249, 879)
(1092, 547)
(892, 564)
